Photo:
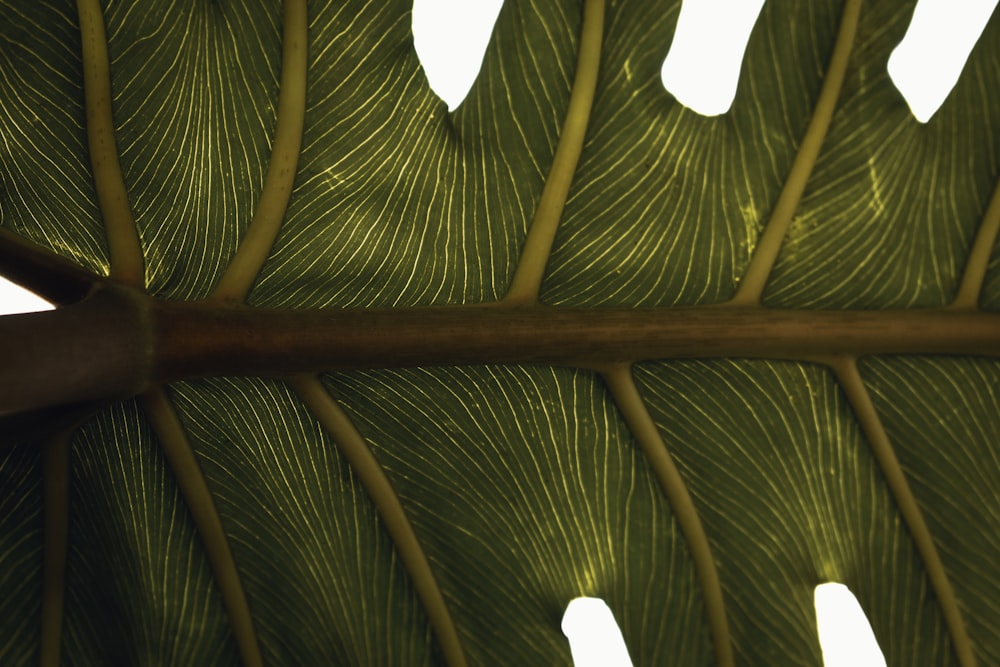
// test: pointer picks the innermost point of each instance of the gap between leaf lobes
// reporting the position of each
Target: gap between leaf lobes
(626, 396)
(120, 258)
(352, 446)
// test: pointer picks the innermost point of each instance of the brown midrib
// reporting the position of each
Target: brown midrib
(194, 340)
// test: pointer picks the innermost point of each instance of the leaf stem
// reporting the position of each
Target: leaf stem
(845, 368)
(263, 229)
(527, 279)
(56, 474)
(197, 340)
(181, 459)
(119, 342)
(125, 251)
(99, 348)
(50, 276)
(359, 456)
(626, 396)
(979, 257)
(752, 286)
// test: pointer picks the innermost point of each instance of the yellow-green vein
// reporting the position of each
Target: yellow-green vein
(527, 280)
(355, 450)
(979, 257)
(626, 396)
(263, 229)
(846, 371)
(182, 461)
(56, 474)
(124, 249)
(755, 278)
(126, 266)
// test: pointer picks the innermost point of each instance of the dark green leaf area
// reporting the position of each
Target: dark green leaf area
(790, 498)
(139, 589)
(20, 552)
(323, 583)
(526, 491)
(990, 299)
(890, 212)
(46, 188)
(195, 87)
(395, 191)
(943, 413)
(666, 204)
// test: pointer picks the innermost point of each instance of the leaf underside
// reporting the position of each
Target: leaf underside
(524, 485)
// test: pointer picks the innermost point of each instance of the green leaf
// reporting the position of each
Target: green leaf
(796, 499)
(503, 470)
(130, 537)
(20, 546)
(447, 515)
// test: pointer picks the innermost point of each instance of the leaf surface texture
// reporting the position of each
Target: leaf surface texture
(523, 484)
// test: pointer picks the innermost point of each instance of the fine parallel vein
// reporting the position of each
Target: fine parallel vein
(150, 562)
(56, 472)
(752, 286)
(21, 506)
(790, 497)
(49, 192)
(527, 483)
(845, 369)
(946, 443)
(322, 577)
(194, 90)
(181, 459)
(123, 240)
(127, 267)
(978, 261)
(664, 211)
(622, 387)
(357, 453)
(389, 281)
(537, 247)
(887, 218)
(263, 230)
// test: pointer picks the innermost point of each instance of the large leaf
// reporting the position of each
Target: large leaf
(511, 488)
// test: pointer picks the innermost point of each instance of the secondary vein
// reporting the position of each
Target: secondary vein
(752, 286)
(56, 472)
(359, 456)
(127, 268)
(979, 257)
(281, 170)
(181, 459)
(527, 280)
(124, 249)
(626, 396)
(845, 368)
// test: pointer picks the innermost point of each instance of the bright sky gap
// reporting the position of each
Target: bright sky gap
(450, 37)
(14, 299)
(703, 63)
(927, 63)
(845, 635)
(924, 67)
(595, 640)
